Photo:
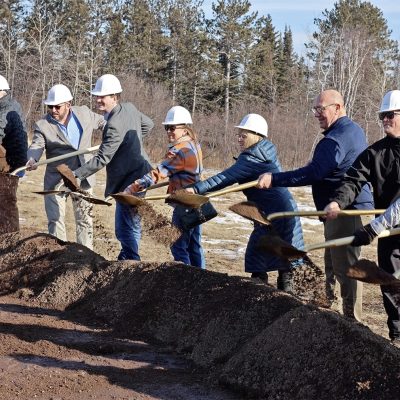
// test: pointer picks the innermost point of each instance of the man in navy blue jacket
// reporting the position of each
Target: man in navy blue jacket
(343, 140)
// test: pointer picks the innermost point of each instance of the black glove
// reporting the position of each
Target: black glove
(364, 236)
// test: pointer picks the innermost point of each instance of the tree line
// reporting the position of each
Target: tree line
(221, 67)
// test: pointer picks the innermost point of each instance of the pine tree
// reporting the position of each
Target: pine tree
(232, 33)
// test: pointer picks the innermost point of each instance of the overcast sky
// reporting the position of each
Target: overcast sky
(300, 14)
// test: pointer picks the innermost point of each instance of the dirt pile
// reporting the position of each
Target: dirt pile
(251, 337)
(9, 216)
(39, 265)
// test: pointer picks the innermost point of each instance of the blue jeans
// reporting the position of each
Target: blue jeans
(128, 231)
(188, 247)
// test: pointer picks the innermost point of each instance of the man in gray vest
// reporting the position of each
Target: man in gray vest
(64, 129)
(122, 153)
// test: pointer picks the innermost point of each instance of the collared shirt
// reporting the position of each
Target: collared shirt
(72, 131)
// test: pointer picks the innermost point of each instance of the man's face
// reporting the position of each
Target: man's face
(106, 103)
(59, 112)
(391, 122)
(325, 111)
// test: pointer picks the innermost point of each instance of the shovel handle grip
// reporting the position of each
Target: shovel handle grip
(347, 240)
(312, 213)
(232, 189)
(59, 158)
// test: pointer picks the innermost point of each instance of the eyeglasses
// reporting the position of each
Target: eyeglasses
(321, 109)
(57, 107)
(241, 136)
(388, 115)
(172, 128)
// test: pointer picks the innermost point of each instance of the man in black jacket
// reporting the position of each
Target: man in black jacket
(379, 164)
(13, 135)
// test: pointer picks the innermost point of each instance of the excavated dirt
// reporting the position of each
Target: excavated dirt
(9, 216)
(158, 226)
(74, 325)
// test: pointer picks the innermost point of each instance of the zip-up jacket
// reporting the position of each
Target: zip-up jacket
(379, 164)
(343, 141)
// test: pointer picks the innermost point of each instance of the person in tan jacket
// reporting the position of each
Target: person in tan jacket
(64, 129)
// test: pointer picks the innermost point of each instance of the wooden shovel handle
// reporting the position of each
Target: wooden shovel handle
(157, 185)
(59, 158)
(347, 240)
(232, 189)
(285, 214)
(156, 197)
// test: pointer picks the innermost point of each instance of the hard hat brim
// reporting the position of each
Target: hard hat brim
(96, 93)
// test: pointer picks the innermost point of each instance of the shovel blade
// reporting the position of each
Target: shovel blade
(187, 199)
(44, 192)
(368, 271)
(128, 199)
(276, 246)
(93, 200)
(249, 210)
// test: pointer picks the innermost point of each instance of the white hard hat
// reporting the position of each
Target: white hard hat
(390, 101)
(255, 123)
(107, 84)
(3, 83)
(58, 94)
(178, 115)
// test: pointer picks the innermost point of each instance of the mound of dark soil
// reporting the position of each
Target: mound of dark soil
(52, 269)
(263, 342)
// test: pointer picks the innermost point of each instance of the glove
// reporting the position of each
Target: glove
(133, 188)
(363, 236)
(31, 164)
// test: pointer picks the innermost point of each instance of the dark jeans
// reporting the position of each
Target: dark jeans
(389, 261)
(188, 247)
(128, 231)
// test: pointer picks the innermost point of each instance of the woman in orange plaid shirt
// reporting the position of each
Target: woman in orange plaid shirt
(183, 166)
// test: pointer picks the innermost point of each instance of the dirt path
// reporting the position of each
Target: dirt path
(45, 356)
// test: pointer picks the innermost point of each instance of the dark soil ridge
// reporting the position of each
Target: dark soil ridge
(250, 337)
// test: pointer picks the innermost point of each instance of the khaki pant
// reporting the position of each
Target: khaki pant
(345, 293)
(55, 210)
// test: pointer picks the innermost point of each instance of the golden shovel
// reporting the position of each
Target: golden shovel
(83, 195)
(197, 200)
(135, 200)
(281, 248)
(59, 158)
(249, 210)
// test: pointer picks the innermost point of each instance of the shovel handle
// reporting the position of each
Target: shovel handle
(343, 213)
(59, 158)
(156, 197)
(155, 186)
(347, 240)
(232, 189)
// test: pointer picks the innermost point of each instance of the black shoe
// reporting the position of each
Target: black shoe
(263, 276)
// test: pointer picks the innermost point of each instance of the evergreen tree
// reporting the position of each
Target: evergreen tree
(260, 74)
(232, 33)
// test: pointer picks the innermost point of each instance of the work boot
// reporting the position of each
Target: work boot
(285, 281)
(262, 276)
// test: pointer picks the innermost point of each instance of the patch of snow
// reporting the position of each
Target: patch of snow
(231, 218)
(310, 221)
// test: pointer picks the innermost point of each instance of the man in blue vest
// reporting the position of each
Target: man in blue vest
(343, 140)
